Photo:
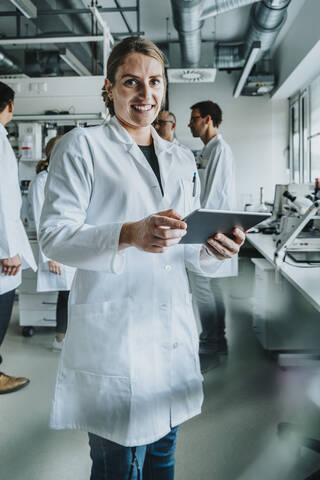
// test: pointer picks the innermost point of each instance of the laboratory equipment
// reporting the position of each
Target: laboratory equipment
(30, 141)
(295, 240)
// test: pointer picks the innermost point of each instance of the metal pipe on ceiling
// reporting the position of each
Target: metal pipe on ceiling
(266, 20)
(7, 65)
(267, 17)
(215, 7)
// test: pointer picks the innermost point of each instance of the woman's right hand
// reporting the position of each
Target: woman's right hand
(154, 233)
(55, 267)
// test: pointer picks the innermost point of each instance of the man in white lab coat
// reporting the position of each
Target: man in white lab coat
(216, 173)
(165, 125)
(15, 251)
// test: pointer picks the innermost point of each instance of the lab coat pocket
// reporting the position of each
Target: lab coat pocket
(98, 338)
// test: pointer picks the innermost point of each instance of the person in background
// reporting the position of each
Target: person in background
(165, 125)
(115, 198)
(15, 250)
(216, 172)
(52, 276)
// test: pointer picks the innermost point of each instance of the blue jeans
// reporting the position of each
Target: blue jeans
(111, 461)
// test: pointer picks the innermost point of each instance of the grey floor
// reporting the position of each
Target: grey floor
(233, 439)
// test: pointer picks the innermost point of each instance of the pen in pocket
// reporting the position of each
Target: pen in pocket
(194, 181)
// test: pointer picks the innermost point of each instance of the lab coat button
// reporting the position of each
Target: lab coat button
(167, 268)
(175, 345)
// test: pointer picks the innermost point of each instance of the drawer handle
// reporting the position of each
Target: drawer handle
(48, 319)
(49, 303)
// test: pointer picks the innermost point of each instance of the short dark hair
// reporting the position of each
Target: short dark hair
(209, 108)
(6, 96)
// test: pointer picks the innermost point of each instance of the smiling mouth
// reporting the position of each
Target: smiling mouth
(142, 108)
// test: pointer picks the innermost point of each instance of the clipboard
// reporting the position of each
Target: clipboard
(204, 223)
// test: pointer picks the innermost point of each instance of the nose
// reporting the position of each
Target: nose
(145, 90)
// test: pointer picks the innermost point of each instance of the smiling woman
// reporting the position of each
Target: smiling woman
(115, 197)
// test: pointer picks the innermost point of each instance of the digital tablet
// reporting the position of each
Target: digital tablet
(203, 223)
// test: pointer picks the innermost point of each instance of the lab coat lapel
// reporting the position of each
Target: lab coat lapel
(130, 146)
(163, 150)
(164, 153)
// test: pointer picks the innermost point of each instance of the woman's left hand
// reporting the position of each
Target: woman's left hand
(223, 247)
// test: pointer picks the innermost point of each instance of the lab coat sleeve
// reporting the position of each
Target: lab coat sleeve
(219, 188)
(65, 235)
(36, 200)
(193, 261)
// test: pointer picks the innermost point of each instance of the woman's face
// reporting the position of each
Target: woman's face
(137, 91)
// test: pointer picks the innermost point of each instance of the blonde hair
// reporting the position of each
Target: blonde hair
(118, 55)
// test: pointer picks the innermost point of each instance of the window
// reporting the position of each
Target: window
(304, 128)
(299, 138)
(314, 137)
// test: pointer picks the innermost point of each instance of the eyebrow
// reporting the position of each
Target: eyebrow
(135, 76)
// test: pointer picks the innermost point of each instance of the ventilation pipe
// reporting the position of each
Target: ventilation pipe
(266, 20)
(7, 65)
(215, 7)
(186, 19)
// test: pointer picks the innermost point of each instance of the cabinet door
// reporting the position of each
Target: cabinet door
(40, 318)
(38, 301)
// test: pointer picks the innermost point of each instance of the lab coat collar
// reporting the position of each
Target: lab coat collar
(124, 137)
(3, 130)
(206, 151)
(163, 149)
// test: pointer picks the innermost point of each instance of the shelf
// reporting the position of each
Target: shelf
(53, 118)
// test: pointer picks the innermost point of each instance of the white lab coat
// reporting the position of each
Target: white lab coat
(13, 238)
(129, 368)
(46, 280)
(218, 189)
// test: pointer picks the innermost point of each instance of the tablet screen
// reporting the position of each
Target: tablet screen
(204, 223)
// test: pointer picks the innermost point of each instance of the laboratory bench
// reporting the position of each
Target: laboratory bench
(286, 305)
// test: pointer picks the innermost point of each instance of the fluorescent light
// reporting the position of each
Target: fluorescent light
(255, 49)
(67, 39)
(26, 7)
(73, 62)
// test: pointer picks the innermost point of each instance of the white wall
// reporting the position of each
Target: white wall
(255, 128)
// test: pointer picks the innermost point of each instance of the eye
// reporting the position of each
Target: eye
(131, 82)
(155, 82)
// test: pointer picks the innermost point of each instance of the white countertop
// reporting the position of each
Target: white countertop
(306, 279)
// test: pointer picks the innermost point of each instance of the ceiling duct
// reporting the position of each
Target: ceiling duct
(191, 75)
(188, 18)
(266, 20)
(215, 7)
(7, 65)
